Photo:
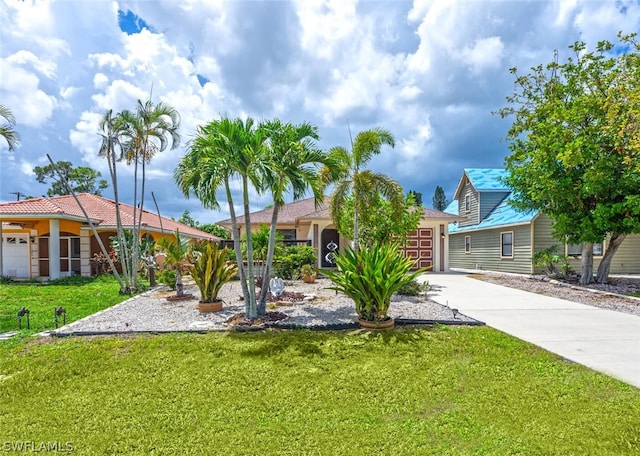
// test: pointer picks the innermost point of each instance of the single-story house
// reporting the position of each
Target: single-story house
(496, 236)
(49, 238)
(302, 221)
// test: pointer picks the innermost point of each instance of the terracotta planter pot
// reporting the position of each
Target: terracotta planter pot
(384, 324)
(309, 278)
(205, 307)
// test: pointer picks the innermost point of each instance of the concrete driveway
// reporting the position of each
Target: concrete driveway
(604, 340)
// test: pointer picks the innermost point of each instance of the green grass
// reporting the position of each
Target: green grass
(443, 391)
(80, 296)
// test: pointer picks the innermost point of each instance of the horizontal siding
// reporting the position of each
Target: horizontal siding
(485, 250)
(625, 261)
(472, 215)
(543, 238)
(627, 258)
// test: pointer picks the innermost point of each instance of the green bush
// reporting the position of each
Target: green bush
(413, 288)
(168, 277)
(288, 264)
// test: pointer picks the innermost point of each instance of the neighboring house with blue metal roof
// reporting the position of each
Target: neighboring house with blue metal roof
(496, 236)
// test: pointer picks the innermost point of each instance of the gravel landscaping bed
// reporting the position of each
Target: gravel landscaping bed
(605, 296)
(322, 308)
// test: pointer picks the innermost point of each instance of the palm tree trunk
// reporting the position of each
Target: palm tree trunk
(266, 275)
(605, 265)
(134, 242)
(235, 235)
(586, 266)
(124, 258)
(251, 307)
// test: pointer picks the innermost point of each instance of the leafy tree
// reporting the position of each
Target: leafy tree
(294, 163)
(186, 219)
(7, 128)
(223, 150)
(574, 146)
(440, 201)
(364, 185)
(214, 229)
(417, 197)
(81, 179)
(384, 224)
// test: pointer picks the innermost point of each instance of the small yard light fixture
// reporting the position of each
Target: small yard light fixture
(56, 314)
(22, 313)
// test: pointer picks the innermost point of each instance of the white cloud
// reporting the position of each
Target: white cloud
(485, 54)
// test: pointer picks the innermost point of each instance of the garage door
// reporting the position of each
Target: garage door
(419, 247)
(15, 256)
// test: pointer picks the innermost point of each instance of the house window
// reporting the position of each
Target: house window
(506, 244)
(467, 203)
(467, 244)
(576, 249)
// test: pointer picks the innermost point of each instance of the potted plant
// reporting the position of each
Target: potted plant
(176, 250)
(308, 273)
(210, 270)
(370, 277)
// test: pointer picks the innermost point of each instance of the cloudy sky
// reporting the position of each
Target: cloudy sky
(429, 71)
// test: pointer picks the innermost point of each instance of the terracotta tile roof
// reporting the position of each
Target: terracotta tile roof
(101, 211)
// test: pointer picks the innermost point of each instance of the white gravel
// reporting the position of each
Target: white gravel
(151, 312)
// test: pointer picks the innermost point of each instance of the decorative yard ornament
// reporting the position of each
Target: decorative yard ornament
(276, 286)
(57, 312)
(21, 313)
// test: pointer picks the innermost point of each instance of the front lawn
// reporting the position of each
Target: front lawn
(80, 296)
(442, 391)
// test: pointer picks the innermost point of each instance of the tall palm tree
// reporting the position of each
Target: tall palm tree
(362, 184)
(147, 131)
(7, 128)
(294, 163)
(221, 151)
(111, 148)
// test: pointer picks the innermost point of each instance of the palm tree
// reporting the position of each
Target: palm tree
(223, 150)
(7, 130)
(145, 132)
(364, 185)
(176, 251)
(111, 148)
(294, 162)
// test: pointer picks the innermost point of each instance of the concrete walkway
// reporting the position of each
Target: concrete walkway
(604, 340)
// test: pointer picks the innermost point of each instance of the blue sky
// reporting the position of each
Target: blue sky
(429, 71)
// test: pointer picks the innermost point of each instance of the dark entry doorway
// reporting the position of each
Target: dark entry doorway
(330, 242)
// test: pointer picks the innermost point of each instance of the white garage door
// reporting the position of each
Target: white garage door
(15, 256)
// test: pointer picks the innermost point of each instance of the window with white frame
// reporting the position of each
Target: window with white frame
(467, 203)
(506, 244)
(576, 249)
(467, 244)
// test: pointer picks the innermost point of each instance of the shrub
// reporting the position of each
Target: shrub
(413, 288)
(288, 265)
(168, 277)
